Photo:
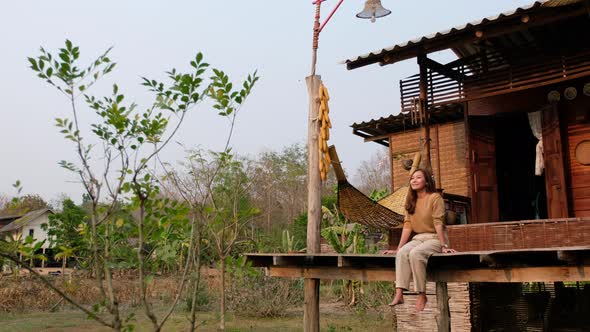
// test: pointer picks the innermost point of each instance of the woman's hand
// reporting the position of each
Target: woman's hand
(389, 252)
(446, 250)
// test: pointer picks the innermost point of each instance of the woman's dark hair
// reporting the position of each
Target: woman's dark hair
(413, 195)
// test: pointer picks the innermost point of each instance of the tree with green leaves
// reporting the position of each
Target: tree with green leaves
(194, 184)
(128, 140)
(218, 189)
(231, 209)
(21, 205)
(63, 228)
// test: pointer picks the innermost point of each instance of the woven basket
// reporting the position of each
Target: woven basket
(397, 200)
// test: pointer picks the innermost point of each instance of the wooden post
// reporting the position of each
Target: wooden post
(438, 176)
(443, 319)
(311, 312)
(426, 162)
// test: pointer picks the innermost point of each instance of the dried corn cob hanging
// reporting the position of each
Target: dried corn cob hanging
(324, 136)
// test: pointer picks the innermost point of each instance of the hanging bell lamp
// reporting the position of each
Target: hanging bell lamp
(373, 9)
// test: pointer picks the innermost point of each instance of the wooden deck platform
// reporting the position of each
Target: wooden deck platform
(520, 265)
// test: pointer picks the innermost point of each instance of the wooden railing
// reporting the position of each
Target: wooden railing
(492, 73)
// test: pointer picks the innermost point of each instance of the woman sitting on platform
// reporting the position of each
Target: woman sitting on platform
(425, 211)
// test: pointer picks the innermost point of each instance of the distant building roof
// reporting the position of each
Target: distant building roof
(24, 220)
(11, 216)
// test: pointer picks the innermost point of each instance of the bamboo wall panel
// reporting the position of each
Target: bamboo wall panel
(521, 234)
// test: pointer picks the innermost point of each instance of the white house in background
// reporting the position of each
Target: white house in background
(29, 224)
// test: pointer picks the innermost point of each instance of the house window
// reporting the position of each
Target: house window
(31, 232)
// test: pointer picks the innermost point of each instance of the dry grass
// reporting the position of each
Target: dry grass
(24, 305)
(25, 294)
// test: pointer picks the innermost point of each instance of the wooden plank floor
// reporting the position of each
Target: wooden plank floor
(522, 265)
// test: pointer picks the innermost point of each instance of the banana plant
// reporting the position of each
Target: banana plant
(344, 238)
(63, 255)
(288, 241)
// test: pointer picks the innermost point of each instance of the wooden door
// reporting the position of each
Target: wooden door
(484, 186)
(554, 166)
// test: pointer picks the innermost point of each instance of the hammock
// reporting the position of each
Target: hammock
(359, 208)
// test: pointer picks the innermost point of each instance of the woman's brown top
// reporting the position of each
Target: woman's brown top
(430, 211)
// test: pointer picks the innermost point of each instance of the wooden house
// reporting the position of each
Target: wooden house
(506, 128)
(509, 125)
(29, 224)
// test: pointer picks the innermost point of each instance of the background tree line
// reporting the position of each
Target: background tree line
(143, 214)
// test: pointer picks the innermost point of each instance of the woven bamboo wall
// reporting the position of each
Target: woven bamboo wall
(448, 144)
(409, 320)
(521, 234)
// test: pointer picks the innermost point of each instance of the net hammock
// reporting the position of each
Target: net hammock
(387, 214)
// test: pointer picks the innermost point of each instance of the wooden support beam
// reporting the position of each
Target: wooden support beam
(376, 138)
(279, 260)
(516, 274)
(444, 70)
(333, 273)
(568, 257)
(426, 161)
(443, 318)
(343, 262)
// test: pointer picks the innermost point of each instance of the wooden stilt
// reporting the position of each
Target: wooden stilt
(443, 319)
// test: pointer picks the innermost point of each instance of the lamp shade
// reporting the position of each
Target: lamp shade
(373, 9)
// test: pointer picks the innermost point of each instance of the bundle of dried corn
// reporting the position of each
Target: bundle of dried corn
(325, 125)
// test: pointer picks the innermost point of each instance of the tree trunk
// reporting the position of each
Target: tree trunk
(197, 280)
(63, 268)
(222, 292)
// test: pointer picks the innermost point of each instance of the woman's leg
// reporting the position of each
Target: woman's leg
(421, 301)
(418, 258)
(403, 271)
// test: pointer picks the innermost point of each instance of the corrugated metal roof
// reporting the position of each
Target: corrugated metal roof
(403, 46)
(25, 220)
(402, 122)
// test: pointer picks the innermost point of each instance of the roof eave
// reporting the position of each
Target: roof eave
(455, 37)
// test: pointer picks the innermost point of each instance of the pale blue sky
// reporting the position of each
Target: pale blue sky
(150, 37)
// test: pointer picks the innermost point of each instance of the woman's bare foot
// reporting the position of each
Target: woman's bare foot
(421, 301)
(398, 298)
